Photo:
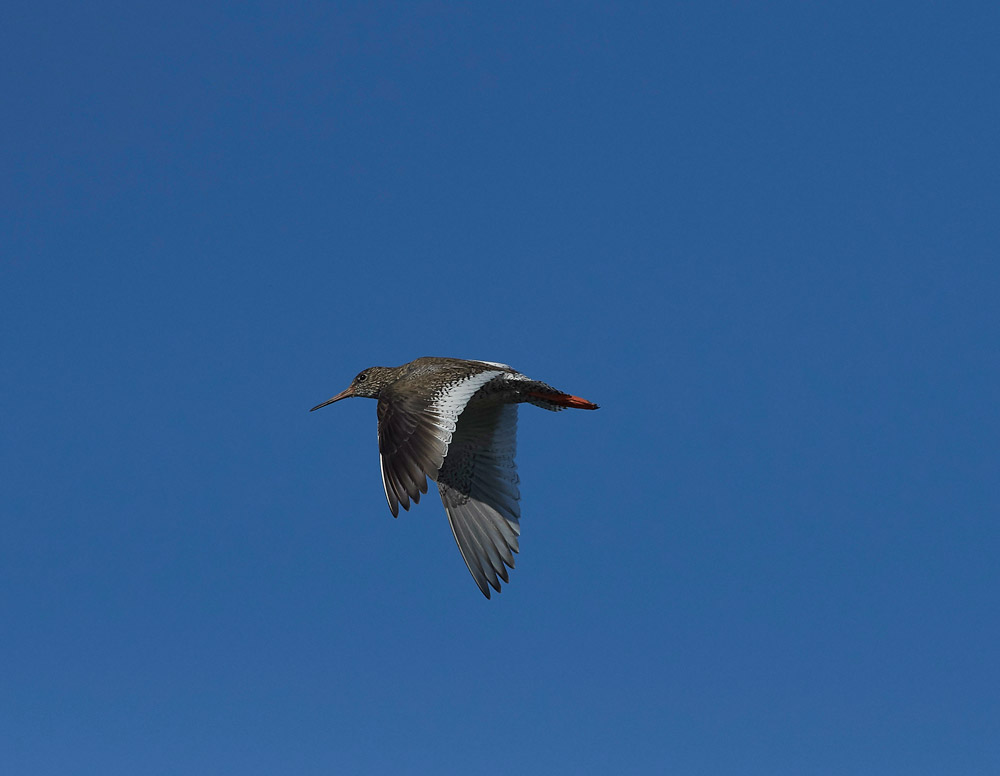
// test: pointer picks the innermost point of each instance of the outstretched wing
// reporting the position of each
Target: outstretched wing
(478, 485)
(414, 434)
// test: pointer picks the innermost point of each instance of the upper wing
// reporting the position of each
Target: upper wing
(414, 434)
(478, 485)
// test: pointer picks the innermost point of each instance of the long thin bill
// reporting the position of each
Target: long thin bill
(342, 395)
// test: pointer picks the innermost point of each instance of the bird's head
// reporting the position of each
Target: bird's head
(367, 384)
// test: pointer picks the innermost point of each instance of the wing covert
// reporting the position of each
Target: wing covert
(415, 431)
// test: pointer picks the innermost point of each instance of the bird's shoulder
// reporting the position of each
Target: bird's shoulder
(441, 373)
(441, 387)
(426, 364)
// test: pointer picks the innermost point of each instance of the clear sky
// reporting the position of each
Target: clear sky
(762, 236)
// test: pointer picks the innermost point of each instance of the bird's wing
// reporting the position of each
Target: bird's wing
(414, 432)
(478, 485)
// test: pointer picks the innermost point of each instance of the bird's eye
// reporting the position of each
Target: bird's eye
(362, 377)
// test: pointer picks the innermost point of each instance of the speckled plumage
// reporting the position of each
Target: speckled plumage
(455, 421)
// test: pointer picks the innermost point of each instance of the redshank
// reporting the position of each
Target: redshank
(455, 421)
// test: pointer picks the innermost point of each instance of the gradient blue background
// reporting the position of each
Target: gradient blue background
(763, 236)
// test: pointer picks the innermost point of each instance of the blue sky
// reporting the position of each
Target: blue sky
(763, 237)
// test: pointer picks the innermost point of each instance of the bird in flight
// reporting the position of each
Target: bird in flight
(455, 421)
